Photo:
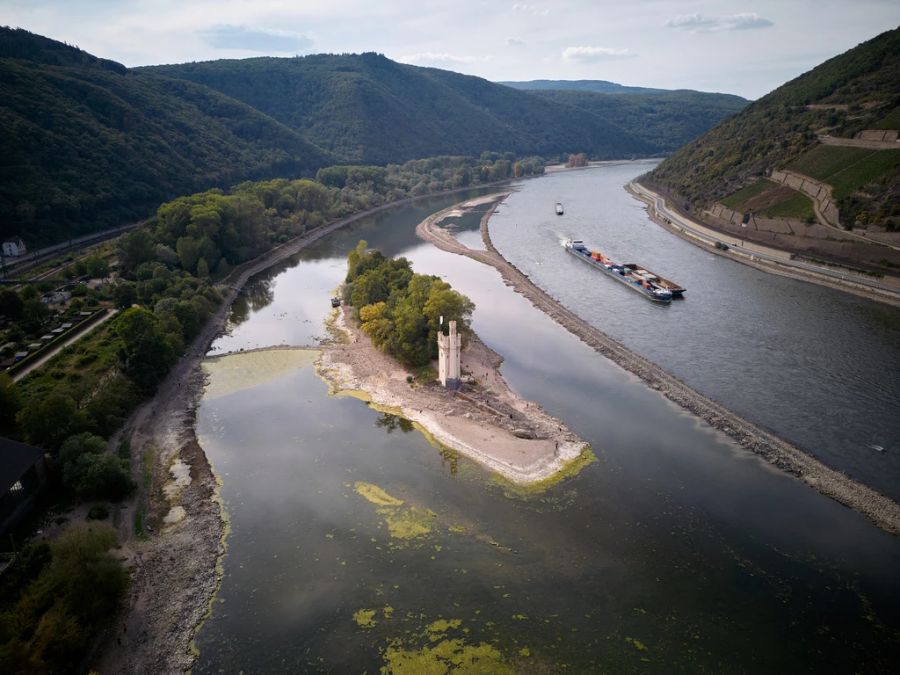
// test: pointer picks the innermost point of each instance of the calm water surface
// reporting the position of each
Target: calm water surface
(818, 367)
(674, 552)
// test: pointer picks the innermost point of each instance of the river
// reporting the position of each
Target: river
(675, 551)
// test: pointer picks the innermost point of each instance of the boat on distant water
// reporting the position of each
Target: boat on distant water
(634, 276)
(559, 208)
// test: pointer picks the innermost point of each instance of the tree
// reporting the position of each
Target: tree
(11, 305)
(135, 248)
(97, 266)
(49, 420)
(9, 403)
(125, 294)
(147, 352)
(89, 472)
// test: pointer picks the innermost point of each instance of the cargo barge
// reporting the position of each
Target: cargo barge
(650, 285)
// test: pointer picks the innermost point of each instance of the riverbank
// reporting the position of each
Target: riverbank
(884, 512)
(760, 256)
(484, 420)
(175, 565)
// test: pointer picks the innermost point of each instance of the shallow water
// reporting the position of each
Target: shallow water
(674, 551)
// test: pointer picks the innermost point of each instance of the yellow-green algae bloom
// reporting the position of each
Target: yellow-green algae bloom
(376, 495)
(364, 618)
(447, 656)
(402, 522)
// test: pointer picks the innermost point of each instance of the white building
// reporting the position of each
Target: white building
(448, 357)
(14, 247)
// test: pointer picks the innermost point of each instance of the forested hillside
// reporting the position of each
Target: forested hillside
(86, 143)
(367, 108)
(848, 94)
(666, 120)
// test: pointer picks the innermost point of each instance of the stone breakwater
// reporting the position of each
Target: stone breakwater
(881, 510)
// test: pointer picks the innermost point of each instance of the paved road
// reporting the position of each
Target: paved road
(751, 250)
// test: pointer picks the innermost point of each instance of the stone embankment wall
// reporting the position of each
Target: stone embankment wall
(883, 135)
(798, 237)
(825, 206)
(872, 139)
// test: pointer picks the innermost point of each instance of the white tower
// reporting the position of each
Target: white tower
(448, 357)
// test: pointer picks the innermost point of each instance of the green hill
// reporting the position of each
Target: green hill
(856, 91)
(367, 108)
(665, 119)
(87, 143)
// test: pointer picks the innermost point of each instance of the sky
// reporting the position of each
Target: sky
(744, 47)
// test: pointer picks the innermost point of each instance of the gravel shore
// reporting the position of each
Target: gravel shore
(883, 511)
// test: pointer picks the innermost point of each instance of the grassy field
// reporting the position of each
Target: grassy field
(846, 169)
(737, 200)
(771, 200)
(797, 205)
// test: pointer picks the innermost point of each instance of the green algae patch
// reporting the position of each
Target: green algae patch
(447, 656)
(441, 626)
(409, 523)
(568, 470)
(637, 644)
(364, 618)
(244, 370)
(376, 495)
(403, 522)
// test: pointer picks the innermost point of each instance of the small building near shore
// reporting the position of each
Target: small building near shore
(448, 357)
(14, 247)
(22, 475)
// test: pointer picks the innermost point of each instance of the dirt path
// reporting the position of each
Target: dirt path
(883, 511)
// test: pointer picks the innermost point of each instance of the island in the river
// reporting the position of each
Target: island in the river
(479, 417)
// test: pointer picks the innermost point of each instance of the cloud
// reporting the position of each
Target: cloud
(441, 57)
(697, 23)
(241, 37)
(514, 42)
(530, 9)
(595, 54)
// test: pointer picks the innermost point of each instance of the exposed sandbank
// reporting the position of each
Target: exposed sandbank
(882, 510)
(484, 421)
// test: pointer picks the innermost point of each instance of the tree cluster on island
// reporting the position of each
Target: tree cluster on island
(399, 310)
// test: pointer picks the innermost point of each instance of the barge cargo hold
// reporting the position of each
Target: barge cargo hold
(651, 286)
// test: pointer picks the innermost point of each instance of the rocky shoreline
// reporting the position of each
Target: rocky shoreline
(881, 510)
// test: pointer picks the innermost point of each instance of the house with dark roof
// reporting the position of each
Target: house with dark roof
(22, 474)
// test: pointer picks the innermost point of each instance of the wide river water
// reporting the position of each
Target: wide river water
(674, 552)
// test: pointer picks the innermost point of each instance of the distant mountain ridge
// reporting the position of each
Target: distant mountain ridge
(367, 108)
(86, 143)
(598, 86)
